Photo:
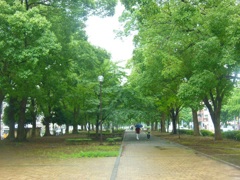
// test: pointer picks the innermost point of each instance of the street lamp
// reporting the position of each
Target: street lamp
(100, 79)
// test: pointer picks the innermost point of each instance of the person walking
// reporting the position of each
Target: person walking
(148, 132)
(137, 132)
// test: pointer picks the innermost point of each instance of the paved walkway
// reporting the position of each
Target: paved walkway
(156, 159)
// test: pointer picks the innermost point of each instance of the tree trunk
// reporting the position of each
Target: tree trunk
(34, 117)
(75, 129)
(47, 121)
(11, 117)
(218, 133)
(97, 126)
(174, 124)
(195, 123)
(174, 117)
(67, 129)
(21, 132)
(152, 125)
(156, 126)
(75, 120)
(2, 96)
(47, 124)
(215, 109)
(163, 120)
(34, 126)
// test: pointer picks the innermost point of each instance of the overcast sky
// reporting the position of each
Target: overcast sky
(100, 33)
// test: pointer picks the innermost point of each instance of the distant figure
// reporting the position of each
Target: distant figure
(148, 132)
(137, 132)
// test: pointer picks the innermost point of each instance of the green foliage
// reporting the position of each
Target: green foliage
(47, 58)
(186, 131)
(235, 135)
(78, 141)
(105, 8)
(113, 140)
(186, 115)
(92, 151)
(186, 52)
(110, 140)
(232, 108)
(238, 136)
(205, 132)
(190, 132)
(92, 154)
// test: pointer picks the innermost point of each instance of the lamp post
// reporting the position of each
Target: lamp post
(100, 79)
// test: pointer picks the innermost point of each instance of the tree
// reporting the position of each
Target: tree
(183, 34)
(32, 65)
(28, 40)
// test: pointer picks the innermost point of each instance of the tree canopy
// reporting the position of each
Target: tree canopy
(189, 48)
(186, 55)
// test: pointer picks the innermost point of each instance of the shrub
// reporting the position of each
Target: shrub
(110, 140)
(232, 135)
(78, 141)
(205, 132)
(113, 140)
(118, 138)
(238, 136)
(186, 131)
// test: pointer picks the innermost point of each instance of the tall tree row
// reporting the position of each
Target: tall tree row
(187, 52)
(46, 64)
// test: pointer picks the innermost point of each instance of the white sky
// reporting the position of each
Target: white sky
(100, 33)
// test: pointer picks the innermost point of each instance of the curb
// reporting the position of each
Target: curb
(115, 168)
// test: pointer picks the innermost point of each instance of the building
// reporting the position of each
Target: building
(205, 120)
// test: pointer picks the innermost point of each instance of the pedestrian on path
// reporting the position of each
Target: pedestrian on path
(148, 132)
(138, 126)
(137, 132)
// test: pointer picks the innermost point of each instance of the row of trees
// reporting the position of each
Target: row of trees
(187, 54)
(47, 66)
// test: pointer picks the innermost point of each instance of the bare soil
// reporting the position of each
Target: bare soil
(35, 159)
(225, 150)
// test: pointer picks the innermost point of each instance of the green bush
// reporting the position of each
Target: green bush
(118, 138)
(205, 132)
(113, 140)
(110, 140)
(186, 131)
(235, 135)
(238, 136)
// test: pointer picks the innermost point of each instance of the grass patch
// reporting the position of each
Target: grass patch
(78, 141)
(90, 151)
(114, 140)
(227, 150)
(56, 147)
(91, 154)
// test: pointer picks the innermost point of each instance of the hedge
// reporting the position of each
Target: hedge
(235, 135)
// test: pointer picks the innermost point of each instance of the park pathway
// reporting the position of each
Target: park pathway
(158, 159)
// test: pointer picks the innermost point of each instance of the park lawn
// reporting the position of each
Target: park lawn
(56, 147)
(226, 150)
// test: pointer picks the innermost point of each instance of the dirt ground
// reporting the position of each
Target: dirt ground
(225, 150)
(31, 160)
